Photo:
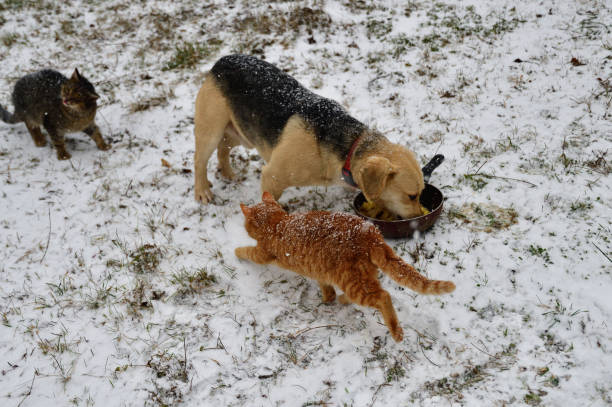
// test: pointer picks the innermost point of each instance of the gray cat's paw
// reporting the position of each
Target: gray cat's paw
(63, 155)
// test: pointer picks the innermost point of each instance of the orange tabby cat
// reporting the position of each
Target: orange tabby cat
(335, 249)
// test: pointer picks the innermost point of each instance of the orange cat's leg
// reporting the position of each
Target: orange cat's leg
(254, 253)
(371, 294)
(328, 292)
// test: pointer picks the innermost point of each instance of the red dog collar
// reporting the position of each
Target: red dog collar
(346, 168)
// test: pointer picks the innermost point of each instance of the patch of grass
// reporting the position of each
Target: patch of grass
(59, 344)
(475, 182)
(540, 252)
(188, 54)
(145, 259)
(170, 373)
(378, 28)
(477, 146)
(145, 104)
(401, 44)
(599, 162)
(534, 398)
(99, 295)
(276, 22)
(581, 206)
(591, 26)
(453, 385)
(9, 39)
(140, 296)
(192, 282)
(453, 25)
(358, 6)
(13, 5)
(67, 27)
(395, 373)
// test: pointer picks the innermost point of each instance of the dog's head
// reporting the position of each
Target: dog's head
(392, 178)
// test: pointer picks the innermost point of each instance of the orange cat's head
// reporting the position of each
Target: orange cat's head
(259, 219)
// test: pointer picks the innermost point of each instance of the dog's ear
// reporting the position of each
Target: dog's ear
(267, 197)
(246, 210)
(373, 176)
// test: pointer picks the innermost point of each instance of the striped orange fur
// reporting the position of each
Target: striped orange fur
(336, 249)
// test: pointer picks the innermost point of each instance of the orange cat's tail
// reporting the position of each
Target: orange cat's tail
(396, 268)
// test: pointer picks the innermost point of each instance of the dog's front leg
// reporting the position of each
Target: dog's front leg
(272, 181)
(211, 118)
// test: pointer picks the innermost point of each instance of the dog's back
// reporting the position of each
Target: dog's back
(263, 98)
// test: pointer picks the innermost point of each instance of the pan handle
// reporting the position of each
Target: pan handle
(432, 165)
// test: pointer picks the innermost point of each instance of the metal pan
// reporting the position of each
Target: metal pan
(431, 198)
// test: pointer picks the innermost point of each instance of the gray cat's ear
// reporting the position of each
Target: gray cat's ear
(75, 75)
(94, 96)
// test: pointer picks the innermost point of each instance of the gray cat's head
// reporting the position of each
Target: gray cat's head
(78, 93)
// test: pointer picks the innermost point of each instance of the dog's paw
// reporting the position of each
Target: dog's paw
(203, 196)
(227, 173)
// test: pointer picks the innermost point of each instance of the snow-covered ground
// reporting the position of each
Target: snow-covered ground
(117, 288)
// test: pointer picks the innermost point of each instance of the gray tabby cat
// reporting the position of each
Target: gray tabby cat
(59, 104)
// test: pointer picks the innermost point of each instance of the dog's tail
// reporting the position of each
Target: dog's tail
(393, 266)
(7, 116)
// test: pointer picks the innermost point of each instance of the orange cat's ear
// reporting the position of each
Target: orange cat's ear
(245, 209)
(267, 197)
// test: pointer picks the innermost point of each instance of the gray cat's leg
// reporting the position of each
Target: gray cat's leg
(37, 135)
(57, 138)
(93, 131)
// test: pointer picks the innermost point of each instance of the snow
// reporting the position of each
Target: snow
(529, 322)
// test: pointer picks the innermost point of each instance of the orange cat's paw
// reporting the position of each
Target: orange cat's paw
(241, 252)
(397, 334)
(329, 298)
(343, 299)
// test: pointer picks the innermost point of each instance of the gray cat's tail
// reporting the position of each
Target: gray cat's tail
(7, 116)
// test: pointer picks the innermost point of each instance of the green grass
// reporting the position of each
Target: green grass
(188, 54)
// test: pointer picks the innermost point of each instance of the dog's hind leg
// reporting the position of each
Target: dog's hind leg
(223, 151)
(212, 115)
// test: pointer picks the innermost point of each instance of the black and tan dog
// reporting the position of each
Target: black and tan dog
(304, 138)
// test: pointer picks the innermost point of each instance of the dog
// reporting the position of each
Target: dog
(305, 139)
